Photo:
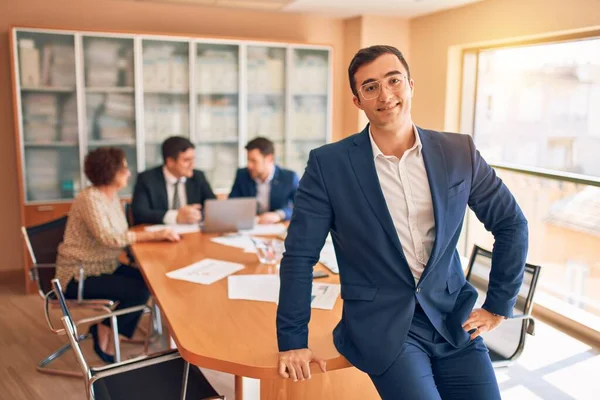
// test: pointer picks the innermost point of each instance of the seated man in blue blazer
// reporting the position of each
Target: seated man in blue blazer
(394, 198)
(173, 193)
(273, 187)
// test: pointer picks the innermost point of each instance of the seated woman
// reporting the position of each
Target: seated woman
(95, 236)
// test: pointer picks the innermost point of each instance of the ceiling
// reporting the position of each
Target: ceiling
(335, 8)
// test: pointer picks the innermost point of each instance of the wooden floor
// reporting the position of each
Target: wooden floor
(553, 366)
(25, 339)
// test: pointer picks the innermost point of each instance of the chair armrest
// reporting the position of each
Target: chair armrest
(91, 319)
(46, 265)
(530, 326)
(34, 276)
(33, 270)
(113, 314)
(521, 316)
(47, 313)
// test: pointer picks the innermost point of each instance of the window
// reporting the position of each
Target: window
(533, 114)
(538, 105)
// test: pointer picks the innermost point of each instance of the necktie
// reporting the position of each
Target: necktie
(176, 196)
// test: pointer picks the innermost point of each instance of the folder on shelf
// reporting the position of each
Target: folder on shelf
(29, 60)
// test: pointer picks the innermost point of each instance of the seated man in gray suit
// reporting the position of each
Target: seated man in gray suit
(173, 193)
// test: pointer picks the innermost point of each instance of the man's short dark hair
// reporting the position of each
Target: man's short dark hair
(264, 145)
(102, 164)
(368, 55)
(173, 146)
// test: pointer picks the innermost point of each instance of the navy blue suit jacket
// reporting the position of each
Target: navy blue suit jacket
(150, 204)
(283, 189)
(340, 193)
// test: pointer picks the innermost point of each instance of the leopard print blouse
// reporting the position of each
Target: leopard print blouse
(95, 236)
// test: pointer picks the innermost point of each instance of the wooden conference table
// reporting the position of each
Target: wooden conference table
(238, 336)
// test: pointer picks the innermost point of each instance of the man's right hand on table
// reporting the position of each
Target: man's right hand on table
(190, 214)
(295, 364)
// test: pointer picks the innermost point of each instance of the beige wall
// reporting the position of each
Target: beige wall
(432, 36)
(364, 31)
(353, 39)
(143, 17)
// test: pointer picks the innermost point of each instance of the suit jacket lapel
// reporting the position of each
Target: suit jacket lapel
(274, 193)
(190, 185)
(162, 199)
(250, 185)
(363, 164)
(435, 165)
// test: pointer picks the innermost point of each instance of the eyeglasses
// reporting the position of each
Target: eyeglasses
(394, 83)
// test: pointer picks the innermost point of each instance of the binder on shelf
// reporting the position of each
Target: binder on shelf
(29, 63)
(49, 106)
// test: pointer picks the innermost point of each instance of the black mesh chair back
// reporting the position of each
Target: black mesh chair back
(164, 376)
(158, 381)
(42, 242)
(506, 342)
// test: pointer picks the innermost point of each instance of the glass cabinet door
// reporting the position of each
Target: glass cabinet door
(109, 97)
(266, 96)
(46, 74)
(309, 86)
(165, 75)
(217, 112)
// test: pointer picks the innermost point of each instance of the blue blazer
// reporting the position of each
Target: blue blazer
(283, 189)
(340, 193)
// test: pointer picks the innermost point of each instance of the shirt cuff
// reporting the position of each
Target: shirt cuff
(281, 214)
(131, 237)
(170, 217)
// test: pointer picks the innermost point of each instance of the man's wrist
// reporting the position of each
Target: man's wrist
(281, 214)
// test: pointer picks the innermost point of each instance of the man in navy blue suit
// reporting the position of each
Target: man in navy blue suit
(393, 198)
(273, 187)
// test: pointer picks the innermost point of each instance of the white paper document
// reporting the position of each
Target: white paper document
(324, 295)
(265, 229)
(177, 228)
(253, 287)
(236, 240)
(206, 271)
(266, 288)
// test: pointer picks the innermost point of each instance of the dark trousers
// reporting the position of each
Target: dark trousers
(429, 368)
(126, 285)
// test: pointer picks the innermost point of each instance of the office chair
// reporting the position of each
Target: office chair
(42, 244)
(164, 376)
(505, 343)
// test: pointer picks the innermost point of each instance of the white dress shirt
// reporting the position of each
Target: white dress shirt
(408, 197)
(171, 215)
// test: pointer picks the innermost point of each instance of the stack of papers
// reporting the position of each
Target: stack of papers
(177, 228)
(266, 288)
(242, 239)
(206, 271)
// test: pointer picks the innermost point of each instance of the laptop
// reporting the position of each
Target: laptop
(229, 215)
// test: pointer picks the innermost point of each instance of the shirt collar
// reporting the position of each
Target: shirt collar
(170, 179)
(376, 151)
(269, 178)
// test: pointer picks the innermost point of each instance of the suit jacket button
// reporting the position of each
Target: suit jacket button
(418, 290)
